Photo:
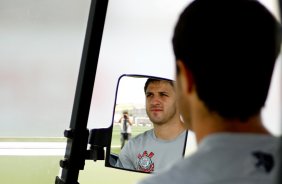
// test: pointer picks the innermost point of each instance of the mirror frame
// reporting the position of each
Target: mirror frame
(109, 155)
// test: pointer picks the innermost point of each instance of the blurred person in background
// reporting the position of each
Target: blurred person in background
(125, 128)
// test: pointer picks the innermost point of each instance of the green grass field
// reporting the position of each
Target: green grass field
(28, 169)
(44, 169)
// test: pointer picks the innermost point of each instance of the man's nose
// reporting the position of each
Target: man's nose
(155, 100)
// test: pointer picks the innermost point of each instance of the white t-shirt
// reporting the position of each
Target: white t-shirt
(124, 129)
(147, 153)
(226, 158)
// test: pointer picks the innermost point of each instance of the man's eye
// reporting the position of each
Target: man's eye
(148, 95)
(164, 94)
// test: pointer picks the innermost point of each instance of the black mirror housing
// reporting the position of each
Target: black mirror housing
(129, 91)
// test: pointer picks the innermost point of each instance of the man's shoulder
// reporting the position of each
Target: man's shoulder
(145, 135)
(198, 169)
(216, 163)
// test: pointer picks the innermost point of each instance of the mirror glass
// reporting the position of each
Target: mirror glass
(147, 132)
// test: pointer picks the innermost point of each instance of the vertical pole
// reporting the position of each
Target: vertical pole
(77, 133)
(279, 175)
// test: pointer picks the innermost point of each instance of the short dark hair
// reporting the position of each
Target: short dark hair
(230, 47)
(151, 80)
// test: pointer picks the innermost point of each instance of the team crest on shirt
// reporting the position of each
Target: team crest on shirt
(145, 163)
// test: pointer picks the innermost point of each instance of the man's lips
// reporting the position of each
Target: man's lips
(156, 110)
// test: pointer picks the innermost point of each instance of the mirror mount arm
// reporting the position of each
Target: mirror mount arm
(95, 153)
(98, 140)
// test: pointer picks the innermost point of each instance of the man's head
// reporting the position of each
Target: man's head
(125, 113)
(160, 100)
(226, 49)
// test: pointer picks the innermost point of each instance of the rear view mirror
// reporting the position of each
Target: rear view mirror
(147, 132)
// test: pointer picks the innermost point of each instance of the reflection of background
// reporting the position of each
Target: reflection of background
(115, 144)
(131, 97)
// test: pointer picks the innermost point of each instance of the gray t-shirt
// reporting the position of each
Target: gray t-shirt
(226, 158)
(147, 153)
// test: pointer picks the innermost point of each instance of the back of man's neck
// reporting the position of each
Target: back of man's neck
(217, 124)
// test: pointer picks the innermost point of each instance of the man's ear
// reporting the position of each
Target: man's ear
(184, 77)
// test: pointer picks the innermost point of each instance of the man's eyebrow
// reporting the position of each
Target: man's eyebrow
(158, 92)
(164, 92)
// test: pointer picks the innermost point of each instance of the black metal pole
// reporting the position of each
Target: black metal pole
(77, 133)
(279, 175)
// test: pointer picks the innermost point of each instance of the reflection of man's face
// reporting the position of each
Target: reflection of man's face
(160, 102)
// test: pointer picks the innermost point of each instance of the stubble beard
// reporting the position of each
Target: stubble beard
(161, 120)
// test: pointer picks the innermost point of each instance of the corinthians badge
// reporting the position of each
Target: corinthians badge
(145, 163)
